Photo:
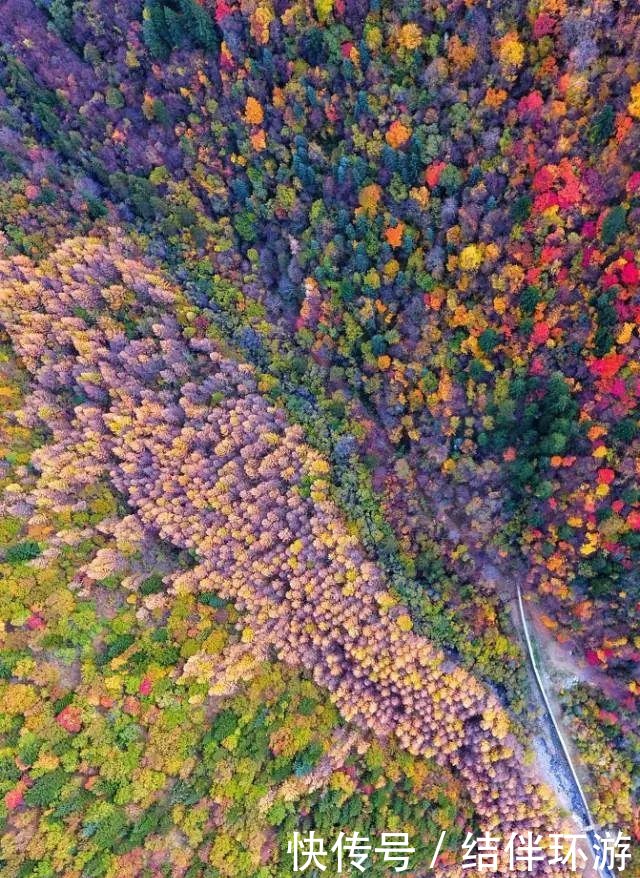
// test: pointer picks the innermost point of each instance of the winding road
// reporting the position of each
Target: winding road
(508, 584)
(579, 799)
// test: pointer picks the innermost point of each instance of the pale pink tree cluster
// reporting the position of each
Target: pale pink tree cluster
(209, 465)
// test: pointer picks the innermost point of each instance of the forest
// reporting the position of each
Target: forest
(319, 330)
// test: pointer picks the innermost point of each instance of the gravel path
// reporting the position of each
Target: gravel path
(558, 755)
